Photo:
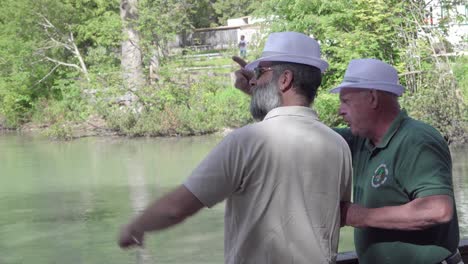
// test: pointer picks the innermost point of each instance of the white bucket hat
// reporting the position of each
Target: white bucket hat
(291, 47)
(371, 74)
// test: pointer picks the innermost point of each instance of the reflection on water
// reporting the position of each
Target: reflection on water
(63, 202)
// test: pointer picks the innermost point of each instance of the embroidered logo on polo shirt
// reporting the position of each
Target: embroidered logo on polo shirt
(380, 176)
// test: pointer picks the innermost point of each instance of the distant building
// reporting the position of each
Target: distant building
(222, 37)
(455, 17)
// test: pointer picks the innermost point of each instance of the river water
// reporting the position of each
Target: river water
(63, 202)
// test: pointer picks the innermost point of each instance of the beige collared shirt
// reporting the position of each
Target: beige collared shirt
(283, 179)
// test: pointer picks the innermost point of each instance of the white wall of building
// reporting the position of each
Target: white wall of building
(456, 19)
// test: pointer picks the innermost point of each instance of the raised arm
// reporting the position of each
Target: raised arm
(243, 76)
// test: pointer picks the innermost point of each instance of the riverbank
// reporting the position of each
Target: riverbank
(93, 127)
(96, 126)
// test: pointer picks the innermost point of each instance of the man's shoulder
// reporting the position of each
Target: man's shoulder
(337, 135)
(418, 131)
(246, 132)
(348, 136)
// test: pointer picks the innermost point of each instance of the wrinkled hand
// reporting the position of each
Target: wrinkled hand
(130, 237)
(243, 76)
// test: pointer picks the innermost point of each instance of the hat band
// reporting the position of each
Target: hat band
(350, 79)
(355, 79)
(276, 53)
(271, 53)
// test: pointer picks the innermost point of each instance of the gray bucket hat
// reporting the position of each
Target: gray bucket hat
(371, 74)
(291, 47)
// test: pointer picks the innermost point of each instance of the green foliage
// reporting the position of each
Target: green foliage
(204, 107)
(160, 20)
(437, 103)
(202, 15)
(226, 9)
(346, 29)
(327, 105)
(30, 37)
(93, 22)
(15, 108)
(387, 30)
(17, 74)
(460, 70)
(43, 81)
(69, 105)
(59, 131)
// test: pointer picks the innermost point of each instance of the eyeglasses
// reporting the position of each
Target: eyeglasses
(258, 71)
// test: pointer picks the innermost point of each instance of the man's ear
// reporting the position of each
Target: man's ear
(285, 81)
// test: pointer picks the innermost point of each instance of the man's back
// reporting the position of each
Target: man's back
(289, 173)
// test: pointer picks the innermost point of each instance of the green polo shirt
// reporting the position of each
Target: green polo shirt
(412, 161)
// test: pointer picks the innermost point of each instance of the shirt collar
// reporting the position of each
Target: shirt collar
(292, 111)
(396, 123)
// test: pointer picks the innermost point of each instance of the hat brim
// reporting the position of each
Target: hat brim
(382, 86)
(318, 63)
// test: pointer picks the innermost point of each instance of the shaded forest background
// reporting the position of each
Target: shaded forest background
(104, 65)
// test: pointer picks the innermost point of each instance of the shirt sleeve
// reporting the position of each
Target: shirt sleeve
(346, 180)
(427, 170)
(346, 183)
(219, 174)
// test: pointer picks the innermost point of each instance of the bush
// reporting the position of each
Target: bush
(327, 105)
(436, 102)
(204, 107)
(67, 105)
(59, 130)
(15, 107)
(460, 70)
(16, 99)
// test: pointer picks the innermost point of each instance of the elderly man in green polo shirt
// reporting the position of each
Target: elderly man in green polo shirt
(404, 208)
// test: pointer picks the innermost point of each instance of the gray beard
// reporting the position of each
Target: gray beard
(264, 99)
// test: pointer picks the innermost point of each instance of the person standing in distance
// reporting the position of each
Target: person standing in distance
(242, 47)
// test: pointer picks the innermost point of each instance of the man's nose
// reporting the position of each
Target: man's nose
(341, 111)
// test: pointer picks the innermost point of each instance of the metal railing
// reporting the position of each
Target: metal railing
(351, 257)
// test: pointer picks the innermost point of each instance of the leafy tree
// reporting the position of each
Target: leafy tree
(19, 70)
(44, 41)
(388, 30)
(202, 14)
(226, 9)
(346, 29)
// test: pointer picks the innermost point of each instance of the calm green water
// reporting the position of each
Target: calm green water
(63, 202)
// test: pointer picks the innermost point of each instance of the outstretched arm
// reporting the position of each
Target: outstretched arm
(167, 211)
(421, 213)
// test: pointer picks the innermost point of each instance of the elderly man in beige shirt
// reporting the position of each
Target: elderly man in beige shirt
(283, 177)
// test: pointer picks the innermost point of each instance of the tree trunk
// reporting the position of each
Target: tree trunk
(132, 69)
(77, 53)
